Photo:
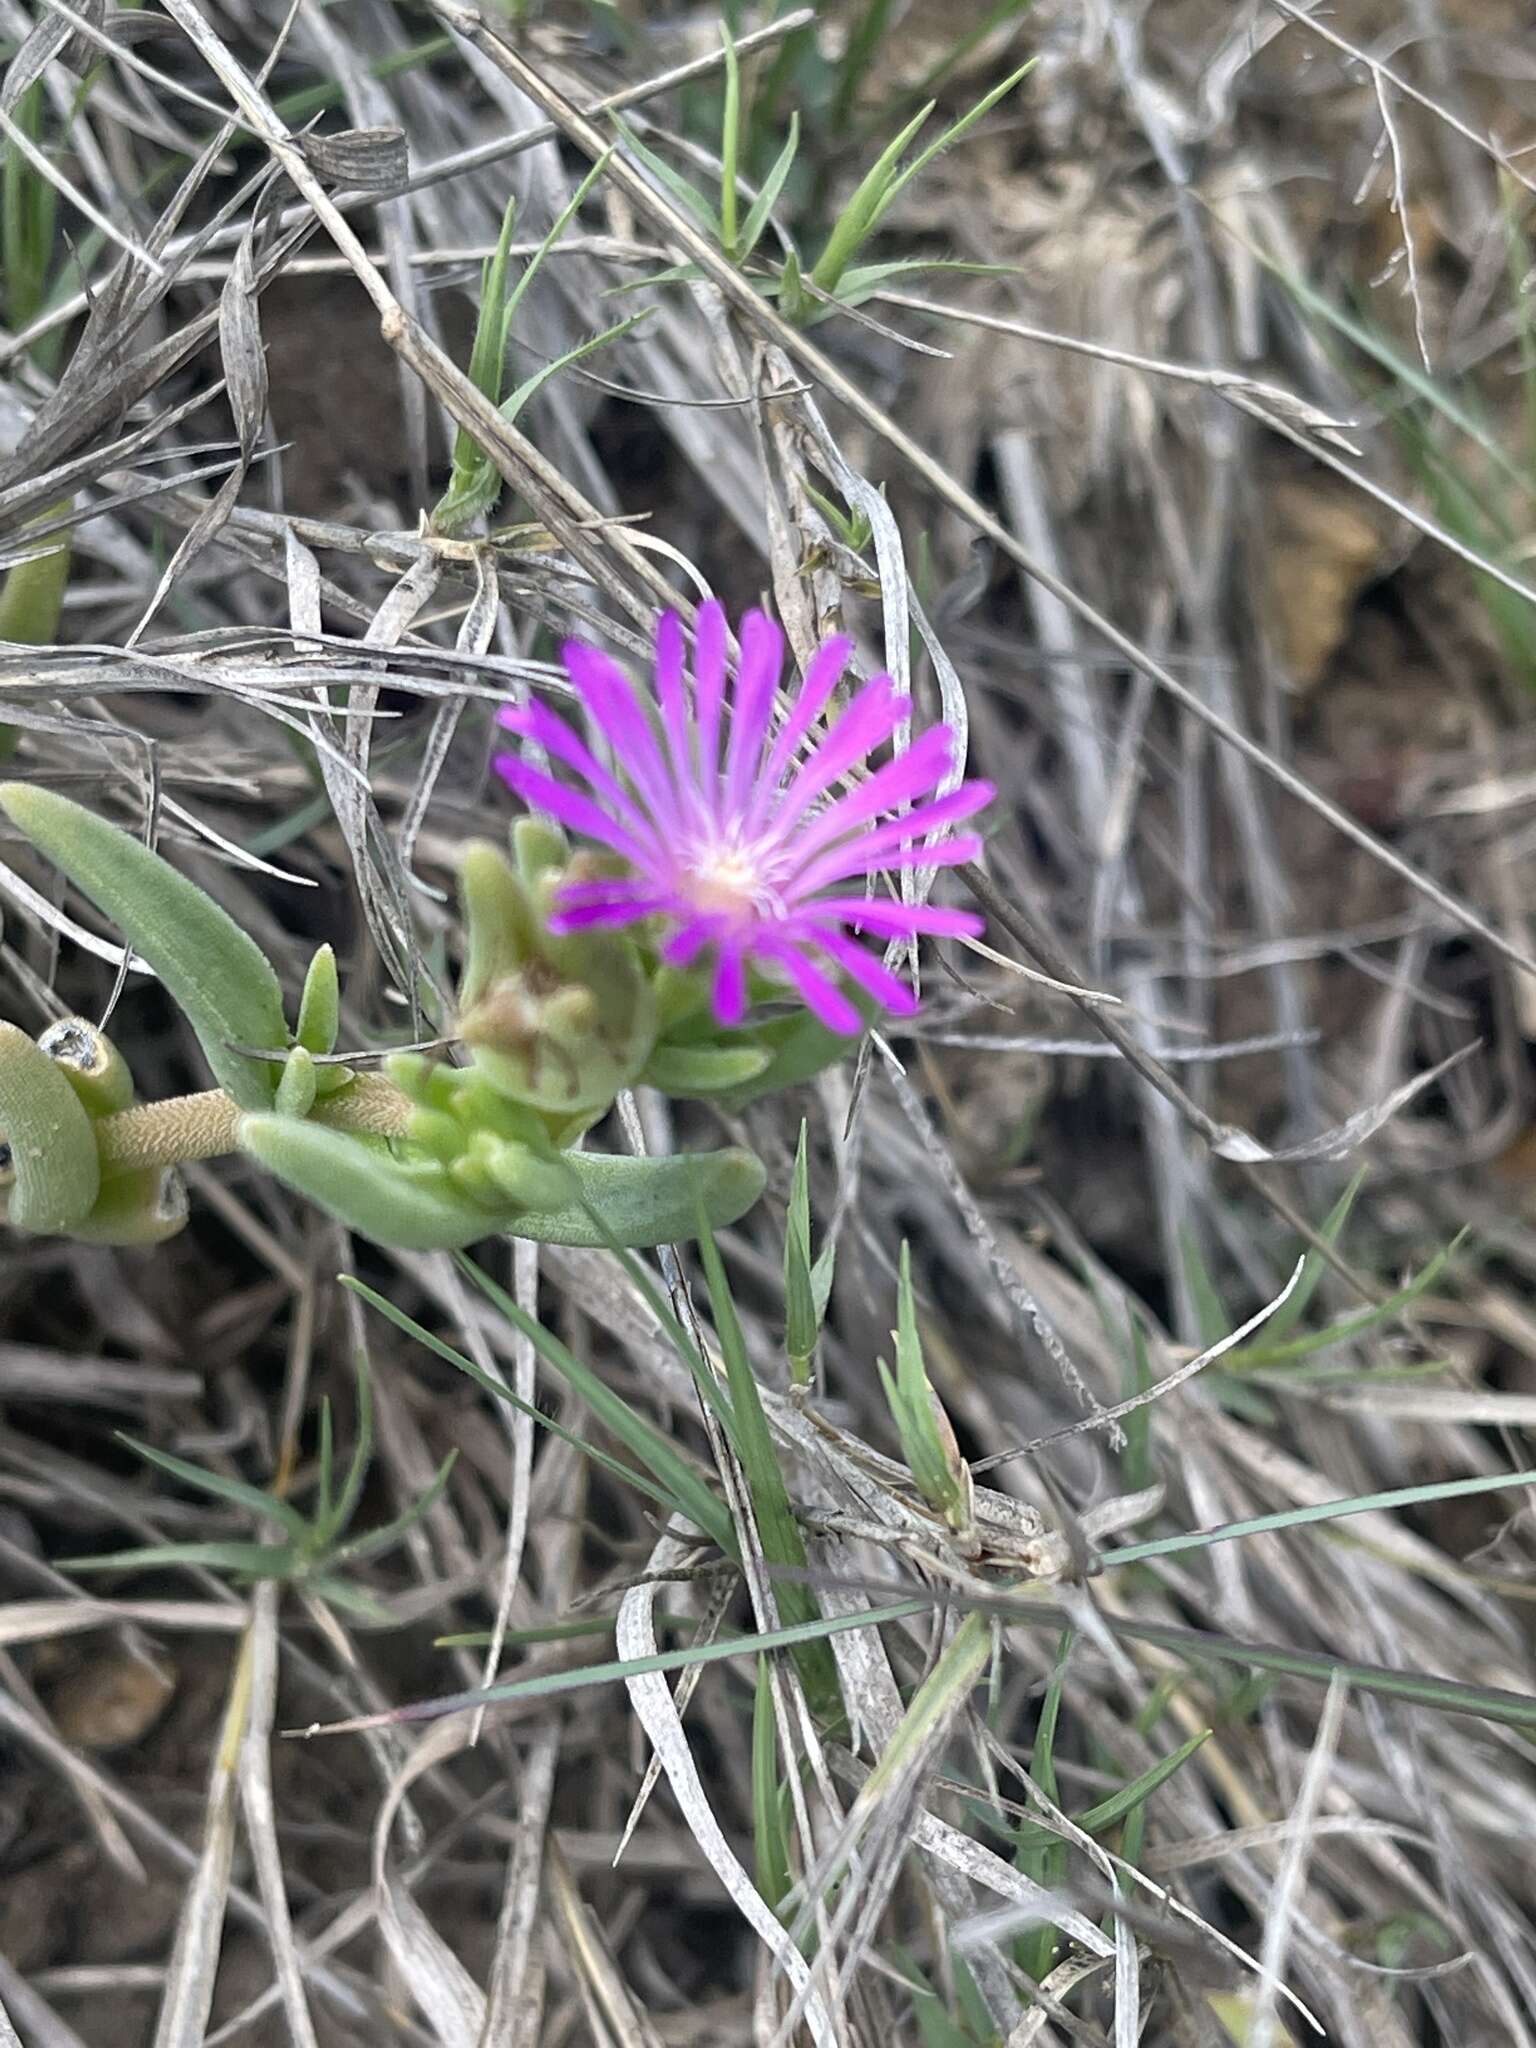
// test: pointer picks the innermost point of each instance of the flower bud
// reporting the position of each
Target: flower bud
(559, 1023)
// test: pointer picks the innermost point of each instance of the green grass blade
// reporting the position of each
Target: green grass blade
(253, 1560)
(1321, 1511)
(549, 1684)
(858, 217)
(641, 1438)
(627, 1475)
(761, 210)
(770, 1843)
(953, 134)
(221, 1485)
(777, 1529)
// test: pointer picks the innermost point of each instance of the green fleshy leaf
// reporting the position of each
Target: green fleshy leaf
(644, 1202)
(800, 1047)
(139, 1208)
(50, 1138)
(320, 1005)
(638, 1202)
(362, 1184)
(218, 975)
(90, 1063)
(296, 1089)
(689, 1070)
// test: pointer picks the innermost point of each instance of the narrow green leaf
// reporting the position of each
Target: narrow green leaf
(326, 1524)
(376, 1541)
(626, 1475)
(1045, 1859)
(861, 281)
(354, 1600)
(1118, 1806)
(940, 1695)
(1347, 1327)
(516, 400)
(687, 194)
(252, 1560)
(863, 210)
(802, 1324)
(362, 1450)
(1320, 1511)
(222, 1485)
(218, 975)
(730, 142)
(647, 1443)
(761, 210)
(49, 1137)
(549, 1684)
(1313, 1266)
(777, 1529)
(952, 135)
(769, 1839)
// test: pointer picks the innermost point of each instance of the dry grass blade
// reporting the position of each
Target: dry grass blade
(656, 1710)
(188, 1996)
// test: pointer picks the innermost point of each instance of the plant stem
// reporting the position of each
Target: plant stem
(188, 1127)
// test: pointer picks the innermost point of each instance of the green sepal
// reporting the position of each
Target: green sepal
(684, 1070)
(90, 1063)
(499, 927)
(798, 1048)
(537, 847)
(217, 974)
(320, 1004)
(50, 1138)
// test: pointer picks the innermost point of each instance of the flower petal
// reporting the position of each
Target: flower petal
(890, 920)
(609, 696)
(541, 792)
(903, 842)
(578, 917)
(548, 730)
(913, 772)
(757, 678)
(821, 679)
(871, 718)
(861, 966)
(708, 691)
(822, 997)
(671, 656)
(729, 994)
(689, 941)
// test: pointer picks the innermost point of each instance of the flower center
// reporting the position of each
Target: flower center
(728, 881)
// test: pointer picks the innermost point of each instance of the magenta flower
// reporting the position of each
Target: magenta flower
(731, 838)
